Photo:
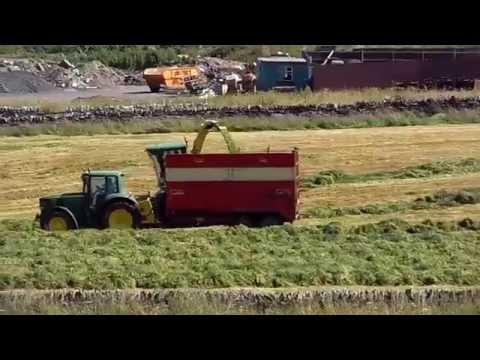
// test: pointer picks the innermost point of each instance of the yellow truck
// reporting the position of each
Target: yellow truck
(169, 77)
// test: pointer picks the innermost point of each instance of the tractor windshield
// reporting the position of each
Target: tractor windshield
(103, 185)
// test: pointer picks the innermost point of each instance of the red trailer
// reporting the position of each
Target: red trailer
(249, 188)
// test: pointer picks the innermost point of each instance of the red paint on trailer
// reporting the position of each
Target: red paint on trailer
(214, 199)
(223, 197)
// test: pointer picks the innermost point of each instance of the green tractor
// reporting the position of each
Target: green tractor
(104, 201)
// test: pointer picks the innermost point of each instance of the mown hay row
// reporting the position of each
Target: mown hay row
(440, 199)
(330, 177)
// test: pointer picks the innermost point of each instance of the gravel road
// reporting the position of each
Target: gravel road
(120, 92)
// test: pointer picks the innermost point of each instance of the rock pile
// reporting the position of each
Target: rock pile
(63, 74)
(21, 82)
(135, 79)
(215, 67)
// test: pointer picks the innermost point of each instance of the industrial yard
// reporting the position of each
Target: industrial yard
(388, 212)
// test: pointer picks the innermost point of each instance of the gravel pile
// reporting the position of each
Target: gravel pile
(23, 82)
(33, 76)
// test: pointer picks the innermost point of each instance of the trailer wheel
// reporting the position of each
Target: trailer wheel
(121, 215)
(270, 220)
(245, 220)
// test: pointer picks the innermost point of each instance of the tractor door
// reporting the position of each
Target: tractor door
(100, 187)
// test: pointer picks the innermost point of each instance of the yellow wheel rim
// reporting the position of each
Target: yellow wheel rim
(57, 223)
(120, 219)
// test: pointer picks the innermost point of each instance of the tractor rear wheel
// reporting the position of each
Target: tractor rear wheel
(270, 220)
(58, 221)
(121, 215)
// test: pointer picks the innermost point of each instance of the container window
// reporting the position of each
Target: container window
(288, 76)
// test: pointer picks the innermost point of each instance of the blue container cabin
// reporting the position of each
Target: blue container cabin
(278, 72)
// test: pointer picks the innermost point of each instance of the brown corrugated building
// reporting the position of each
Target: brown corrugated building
(393, 67)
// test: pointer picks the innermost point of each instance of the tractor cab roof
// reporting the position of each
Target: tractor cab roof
(103, 173)
(161, 148)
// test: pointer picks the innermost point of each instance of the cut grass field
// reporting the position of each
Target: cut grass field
(41, 165)
(353, 230)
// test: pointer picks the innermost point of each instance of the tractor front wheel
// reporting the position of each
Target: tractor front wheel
(58, 221)
(121, 215)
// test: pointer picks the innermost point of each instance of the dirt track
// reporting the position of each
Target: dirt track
(120, 92)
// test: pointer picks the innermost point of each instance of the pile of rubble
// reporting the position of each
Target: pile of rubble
(215, 67)
(63, 74)
(93, 74)
(219, 77)
(28, 65)
(16, 116)
(135, 79)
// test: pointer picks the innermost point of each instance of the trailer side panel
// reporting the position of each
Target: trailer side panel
(229, 184)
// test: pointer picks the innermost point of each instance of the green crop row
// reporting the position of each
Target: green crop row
(388, 253)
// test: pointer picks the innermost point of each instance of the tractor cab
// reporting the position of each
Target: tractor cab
(100, 185)
(158, 154)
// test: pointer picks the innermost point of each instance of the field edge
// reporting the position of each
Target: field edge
(434, 294)
(325, 300)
